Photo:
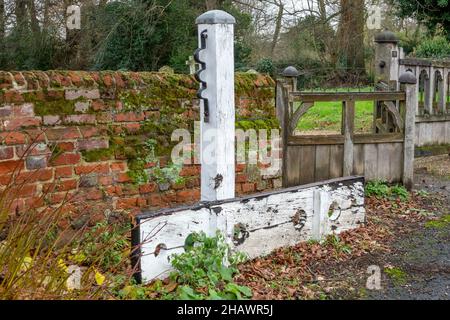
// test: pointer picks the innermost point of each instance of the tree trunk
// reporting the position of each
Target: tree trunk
(279, 23)
(21, 14)
(213, 4)
(33, 17)
(351, 36)
(2, 21)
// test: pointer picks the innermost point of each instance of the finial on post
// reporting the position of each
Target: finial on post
(216, 17)
(407, 78)
(386, 37)
(291, 74)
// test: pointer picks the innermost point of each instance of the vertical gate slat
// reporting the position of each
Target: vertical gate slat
(322, 163)
(358, 160)
(349, 128)
(293, 166)
(336, 161)
(384, 165)
(370, 161)
(307, 164)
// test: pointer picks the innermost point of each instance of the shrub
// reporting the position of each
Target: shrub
(380, 189)
(266, 66)
(437, 47)
(205, 271)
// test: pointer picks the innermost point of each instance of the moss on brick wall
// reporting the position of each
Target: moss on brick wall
(118, 120)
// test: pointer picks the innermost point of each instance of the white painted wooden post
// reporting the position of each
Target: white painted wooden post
(410, 81)
(216, 56)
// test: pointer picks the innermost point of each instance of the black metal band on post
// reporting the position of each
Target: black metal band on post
(204, 85)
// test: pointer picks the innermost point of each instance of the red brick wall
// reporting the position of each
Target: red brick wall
(48, 120)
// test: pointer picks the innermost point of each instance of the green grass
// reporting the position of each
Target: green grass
(327, 116)
(397, 275)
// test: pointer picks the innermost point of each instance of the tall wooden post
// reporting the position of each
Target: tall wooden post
(284, 108)
(348, 130)
(409, 80)
(216, 57)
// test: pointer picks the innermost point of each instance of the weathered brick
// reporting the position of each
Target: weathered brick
(178, 186)
(82, 107)
(129, 117)
(58, 198)
(130, 190)
(114, 191)
(69, 133)
(241, 178)
(55, 94)
(64, 172)
(147, 188)
(23, 122)
(88, 94)
(13, 138)
(37, 149)
(127, 203)
(94, 194)
(60, 186)
(6, 153)
(35, 135)
(24, 110)
(122, 178)
(66, 159)
(36, 162)
(188, 195)
(34, 202)
(66, 146)
(105, 180)
(132, 127)
(11, 166)
(156, 201)
(80, 119)
(13, 96)
(98, 105)
(190, 171)
(24, 191)
(102, 168)
(34, 176)
(248, 187)
(104, 117)
(90, 180)
(5, 111)
(51, 120)
(89, 132)
(118, 166)
(92, 144)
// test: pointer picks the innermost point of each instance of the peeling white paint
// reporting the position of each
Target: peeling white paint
(256, 225)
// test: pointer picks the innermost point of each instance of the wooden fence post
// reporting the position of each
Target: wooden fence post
(216, 57)
(348, 130)
(409, 80)
(285, 110)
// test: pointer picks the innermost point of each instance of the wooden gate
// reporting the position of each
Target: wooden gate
(313, 158)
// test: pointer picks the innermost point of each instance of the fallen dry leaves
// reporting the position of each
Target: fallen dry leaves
(295, 273)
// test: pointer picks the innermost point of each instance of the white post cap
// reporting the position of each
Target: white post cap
(216, 17)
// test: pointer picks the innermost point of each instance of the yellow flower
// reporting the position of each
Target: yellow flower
(26, 264)
(62, 265)
(99, 278)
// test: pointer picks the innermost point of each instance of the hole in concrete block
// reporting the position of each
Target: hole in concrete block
(334, 212)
